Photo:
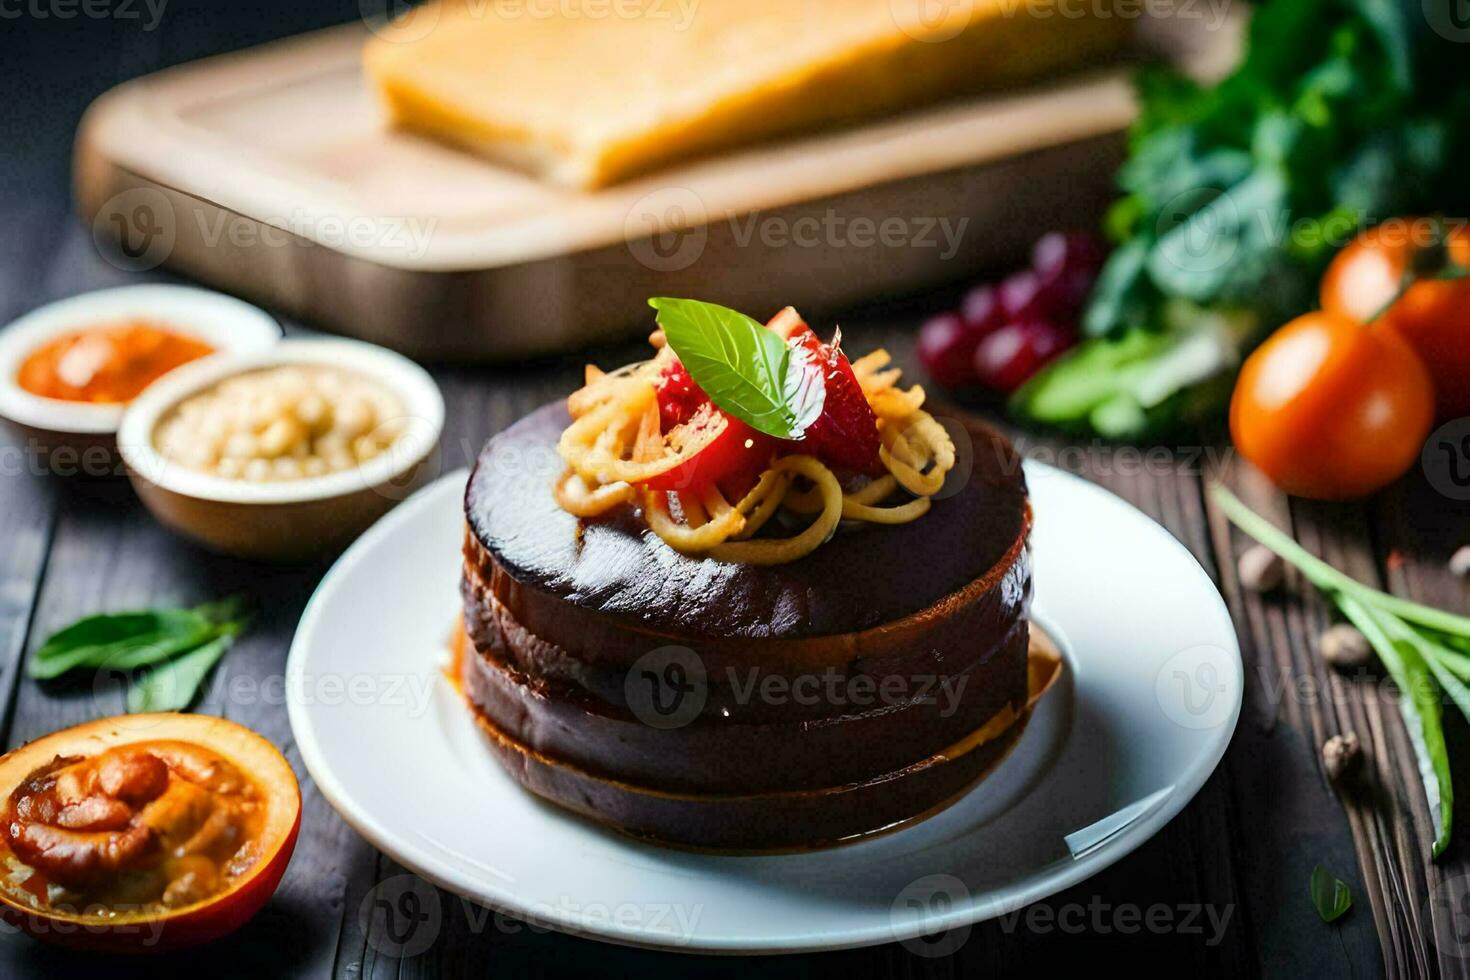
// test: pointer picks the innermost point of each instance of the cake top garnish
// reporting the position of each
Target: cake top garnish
(733, 427)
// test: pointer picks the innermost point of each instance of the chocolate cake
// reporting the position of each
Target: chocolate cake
(737, 706)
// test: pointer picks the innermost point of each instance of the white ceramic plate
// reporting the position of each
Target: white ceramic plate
(1148, 705)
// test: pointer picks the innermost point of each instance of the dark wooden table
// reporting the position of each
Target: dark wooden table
(1240, 854)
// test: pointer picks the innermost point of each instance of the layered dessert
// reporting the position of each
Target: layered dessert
(587, 94)
(748, 594)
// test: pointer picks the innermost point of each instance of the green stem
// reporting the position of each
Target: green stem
(1442, 268)
(1419, 705)
(1327, 578)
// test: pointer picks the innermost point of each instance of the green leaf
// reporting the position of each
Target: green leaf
(227, 610)
(744, 368)
(172, 686)
(106, 628)
(121, 641)
(1390, 26)
(1331, 897)
(1128, 386)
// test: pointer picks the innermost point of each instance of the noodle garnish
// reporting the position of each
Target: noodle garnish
(616, 445)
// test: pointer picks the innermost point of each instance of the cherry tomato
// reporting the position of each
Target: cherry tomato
(1433, 316)
(1331, 409)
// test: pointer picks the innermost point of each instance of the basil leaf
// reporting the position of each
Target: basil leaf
(123, 641)
(129, 640)
(127, 655)
(745, 369)
(1331, 896)
(107, 628)
(172, 686)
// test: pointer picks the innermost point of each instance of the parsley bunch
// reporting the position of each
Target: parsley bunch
(1343, 113)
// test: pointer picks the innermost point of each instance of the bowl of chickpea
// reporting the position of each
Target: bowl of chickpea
(286, 454)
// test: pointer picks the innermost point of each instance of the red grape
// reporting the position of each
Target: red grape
(981, 310)
(1023, 296)
(947, 350)
(1007, 358)
(1066, 265)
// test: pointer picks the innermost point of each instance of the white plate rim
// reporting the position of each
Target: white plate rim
(980, 907)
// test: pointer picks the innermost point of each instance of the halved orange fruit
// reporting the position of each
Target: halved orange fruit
(144, 833)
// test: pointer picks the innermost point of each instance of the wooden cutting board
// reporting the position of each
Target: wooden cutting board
(270, 173)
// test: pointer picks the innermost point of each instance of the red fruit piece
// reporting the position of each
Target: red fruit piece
(846, 433)
(713, 447)
(981, 311)
(947, 350)
(1008, 358)
(678, 396)
(1066, 265)
(1023, 296)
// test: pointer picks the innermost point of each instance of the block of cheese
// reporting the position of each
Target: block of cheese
(585, 93)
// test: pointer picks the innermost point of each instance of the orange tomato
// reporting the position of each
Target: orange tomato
(1433, 316)
(1332, 409)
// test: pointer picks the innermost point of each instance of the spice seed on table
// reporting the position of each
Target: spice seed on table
(1344, 647)
(1261, 569)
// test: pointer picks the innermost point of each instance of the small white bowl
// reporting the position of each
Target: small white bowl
(284, 520)
(225, 323)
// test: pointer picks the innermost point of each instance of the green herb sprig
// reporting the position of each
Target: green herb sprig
(177, 647)
(1330, 895)
(744, 368)
(1422, 648)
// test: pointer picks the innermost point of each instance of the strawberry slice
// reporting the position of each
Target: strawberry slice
(678, 396)
(846, 433)
(844, 436)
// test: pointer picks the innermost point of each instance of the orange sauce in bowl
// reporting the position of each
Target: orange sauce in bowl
(106, 364)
